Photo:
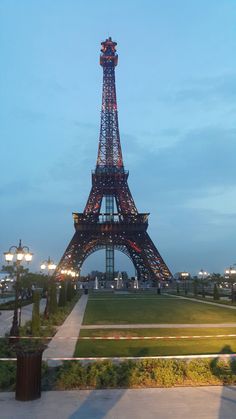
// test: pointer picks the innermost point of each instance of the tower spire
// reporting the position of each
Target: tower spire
(109, 149)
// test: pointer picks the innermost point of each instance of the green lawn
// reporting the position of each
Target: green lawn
(151, 308)
(103, 348)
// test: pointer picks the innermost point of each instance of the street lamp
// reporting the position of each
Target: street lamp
(50, 266)
(203, 275)
(70, 273)
(184, 275)
(229, 273)
(20, 253)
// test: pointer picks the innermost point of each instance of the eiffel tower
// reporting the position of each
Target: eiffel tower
(119, 226)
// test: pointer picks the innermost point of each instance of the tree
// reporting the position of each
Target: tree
(52, 298)
(69, 291)
(11, 269)
(217, 278)
(38, 280)
(35, 325)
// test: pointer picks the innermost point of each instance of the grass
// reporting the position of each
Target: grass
(150, 308)
(113, 348)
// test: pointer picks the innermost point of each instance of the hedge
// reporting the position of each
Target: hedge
(129, 374)
(146, 373)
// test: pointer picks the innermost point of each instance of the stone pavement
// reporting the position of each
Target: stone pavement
(26, 314)
(203, 302)
(157, 326)
(61, 346)
(160, 403)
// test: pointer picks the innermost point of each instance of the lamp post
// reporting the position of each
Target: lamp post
(230, 273)
(184, 276)
(20, 253)
(49, 266)
(70, 273)
(203, 275)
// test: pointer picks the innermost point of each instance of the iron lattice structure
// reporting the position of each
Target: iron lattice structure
(124, 228)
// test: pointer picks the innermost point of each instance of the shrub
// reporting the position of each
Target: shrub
(7, 375)
(224, 369)
(72, 375)
(130, 374)
(145, 373)
(199, 372)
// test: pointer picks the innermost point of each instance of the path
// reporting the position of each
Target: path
(157, 326)
(158, 403)
(203, 302)
(26, 314)
(60, 346)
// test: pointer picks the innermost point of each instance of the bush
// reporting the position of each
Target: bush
(169, 373)
(199, 372)
(225, 370)
(145, 373)
(7, 375)
(72, 375)
(130, 374)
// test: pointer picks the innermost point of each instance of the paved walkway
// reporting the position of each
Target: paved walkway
(157, 326)
(60, 346)
(26, 314)
(203, 302)
(160, 403)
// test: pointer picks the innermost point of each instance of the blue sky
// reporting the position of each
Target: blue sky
(176, 87)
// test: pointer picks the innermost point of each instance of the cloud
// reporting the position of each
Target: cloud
(18, 188)
(207, 89)
(224, 199)
(203, 158)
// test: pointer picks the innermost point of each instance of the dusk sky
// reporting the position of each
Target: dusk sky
(176, 89)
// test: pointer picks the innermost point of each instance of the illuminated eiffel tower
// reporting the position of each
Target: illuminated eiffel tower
(120, 226)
